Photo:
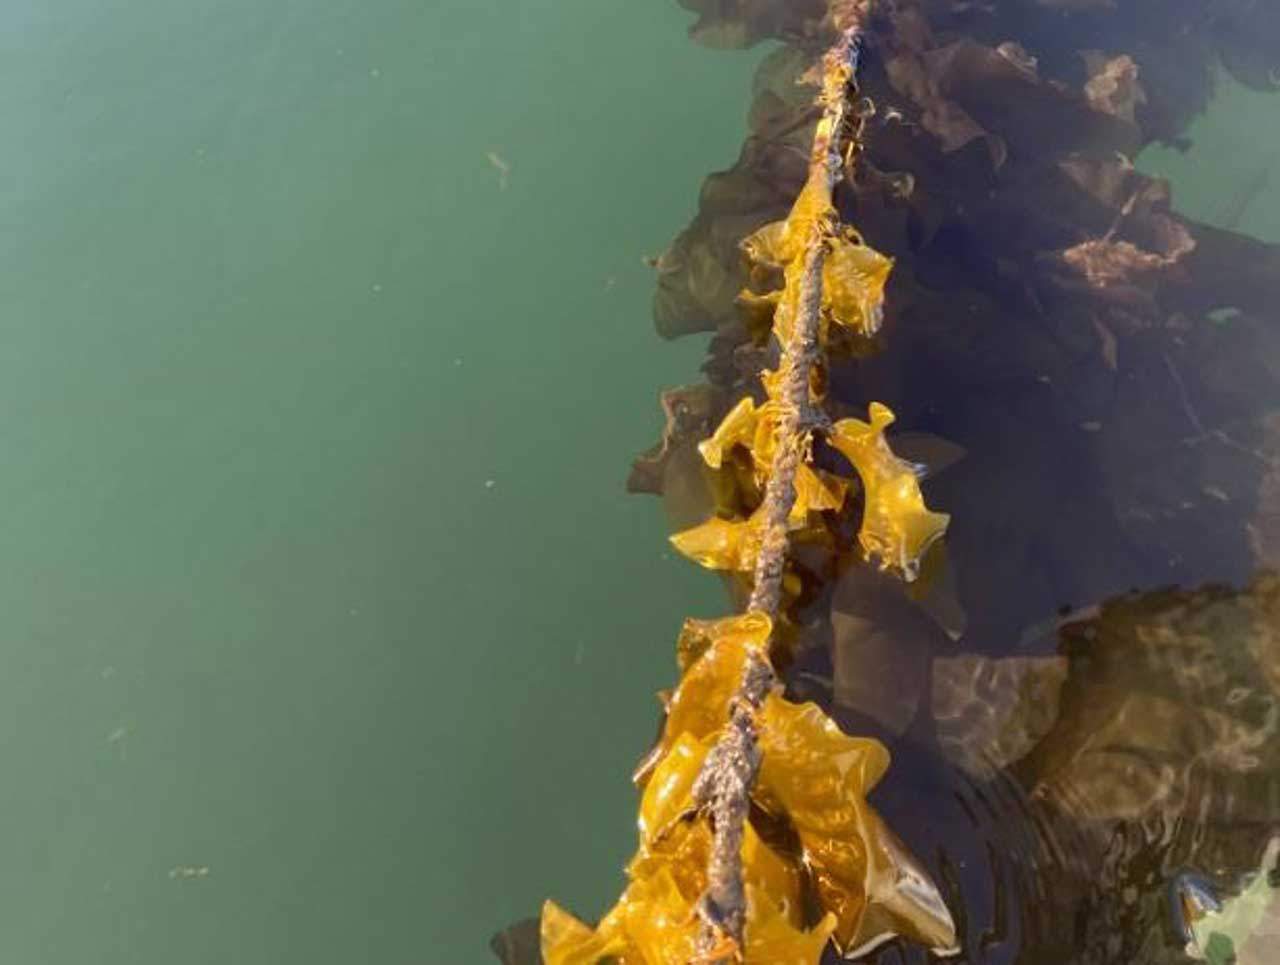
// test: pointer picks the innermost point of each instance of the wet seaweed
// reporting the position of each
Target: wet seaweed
(1018, 287)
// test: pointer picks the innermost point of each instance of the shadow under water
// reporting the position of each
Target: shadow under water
(1064, 797)
(1080, 693)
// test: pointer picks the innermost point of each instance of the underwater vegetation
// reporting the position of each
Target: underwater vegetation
(710, 881)
(945, 273)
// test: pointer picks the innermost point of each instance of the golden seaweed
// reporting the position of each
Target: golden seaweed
(812, 777)
(897, 527)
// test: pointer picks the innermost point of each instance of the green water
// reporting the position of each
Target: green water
(271, 325)
(317, 571)
(1235, 149)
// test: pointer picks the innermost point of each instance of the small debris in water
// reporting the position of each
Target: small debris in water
(1110, 345)
(490, 483)
(502, 166)
(1215, 493)
(107, 672)
(117, 735)
(1091, 426)
(374, 72)
(609, 283)
(457, 363)
(376, 288)
(187, 872)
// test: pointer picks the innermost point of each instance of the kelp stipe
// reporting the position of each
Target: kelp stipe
(705, 885)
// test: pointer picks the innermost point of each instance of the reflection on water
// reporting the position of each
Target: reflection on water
(1068, 793)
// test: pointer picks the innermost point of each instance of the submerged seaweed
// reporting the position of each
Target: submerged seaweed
(1111, 371)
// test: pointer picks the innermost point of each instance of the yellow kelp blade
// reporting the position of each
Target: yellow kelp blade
(755, 429)
(567, 941)
(723, 544)
(853, 280)
(902, 898)
(660, 921)
(668, 797)
(750, 629)
(653, 923)
(738, 428)
(819, 777)
(686, 849)
(782, 242)
(812, 204)
(772, 875)
(772, 937)
(897, 527)
(789, 302)
(757, 312)
(699, 706)
(764, 245)
(815, 492)
(654, 920)
(696, 637)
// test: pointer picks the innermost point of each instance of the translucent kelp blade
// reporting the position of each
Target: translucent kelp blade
(683, 851)
(668, 797)
(747, 425)
(811, 205)
(699, 706)
(815, 493)
(567, 941)
(764, 245)
(774, 876)
(686, 849)
(781, 243)
(818, 777)
(738, 428)
(757, 312)
(854, 276)
(750, 629)
(772, 938)
(722, 544)
(902, 899)
(696, 637)
(789, 302)
(897, 527)
(660, 921)
(765, 440)
(655, 922)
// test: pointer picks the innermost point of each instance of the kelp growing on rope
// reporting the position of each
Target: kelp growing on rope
(1106, 361)
(1109, 366)
(757, 843)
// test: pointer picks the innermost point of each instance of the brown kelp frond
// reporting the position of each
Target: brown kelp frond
(704, 886)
